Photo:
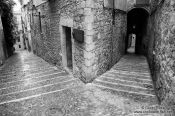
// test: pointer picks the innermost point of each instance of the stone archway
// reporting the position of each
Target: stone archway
(137, 19)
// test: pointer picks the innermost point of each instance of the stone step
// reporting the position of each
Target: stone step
(21, 77)
(23, 63)
(131, 65)
(146, 72)
(33, 61)
(123, 64)
(29, 84)
(125, 82)
(135, 72)
(24, 73)
(135, 89)
(130, 73)
(136, 96)
(134, 62)
(22, 66)
(47, 89)
(132, 69)
(22, 81)
(27, 61)
(24, 69)
(39, 62)
(129, 78)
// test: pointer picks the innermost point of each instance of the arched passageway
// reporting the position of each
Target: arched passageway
(137, 19)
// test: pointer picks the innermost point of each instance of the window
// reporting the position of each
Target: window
(19, 46)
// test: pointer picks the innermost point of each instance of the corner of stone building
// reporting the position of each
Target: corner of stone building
(83, 56)
(99, 33)
(88, 77)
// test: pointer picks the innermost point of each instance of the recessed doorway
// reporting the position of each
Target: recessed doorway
(68, 46)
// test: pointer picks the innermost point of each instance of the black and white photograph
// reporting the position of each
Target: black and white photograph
(87, 57)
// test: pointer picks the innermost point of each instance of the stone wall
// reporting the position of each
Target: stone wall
(50, 43)
(107, 40)
(119, 36)
(162, 51)
(46, 43)
(47, 40)
(103, 42)
(131, 4)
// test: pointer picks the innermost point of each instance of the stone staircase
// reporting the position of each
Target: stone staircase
(129, 78)
(30, 86)
(25, 76)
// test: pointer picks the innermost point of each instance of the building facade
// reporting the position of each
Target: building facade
(87, 37)
(20, 43)
(26, 24)
(77, 35)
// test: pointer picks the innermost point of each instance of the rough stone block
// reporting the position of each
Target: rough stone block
(89, 19)
(89, 47)
(89, 39)
(89, 62)
(89, 26)
(89, 55)
(89, 32)
(90, 4)
(88, 11)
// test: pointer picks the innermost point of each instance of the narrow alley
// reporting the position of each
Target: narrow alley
(25, 75)
(130, 77)
(31, 86)
(87, 58)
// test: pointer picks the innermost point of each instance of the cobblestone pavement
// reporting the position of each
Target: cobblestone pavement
(29, 86)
